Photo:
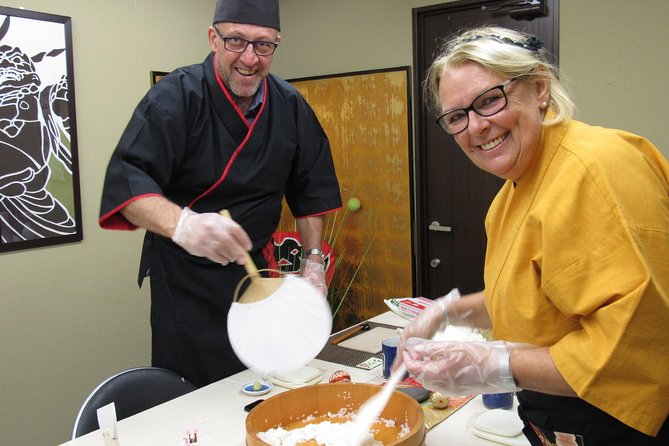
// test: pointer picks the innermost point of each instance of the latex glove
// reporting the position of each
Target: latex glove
(210, 235)
(433, 319)
(461, 368)
(314, 273)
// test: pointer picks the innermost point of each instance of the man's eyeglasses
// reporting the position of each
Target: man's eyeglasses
(238, 45)
(488, 103)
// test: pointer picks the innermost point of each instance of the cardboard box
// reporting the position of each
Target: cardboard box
(413, 306)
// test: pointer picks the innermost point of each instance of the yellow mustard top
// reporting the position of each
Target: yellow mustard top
(578, 260)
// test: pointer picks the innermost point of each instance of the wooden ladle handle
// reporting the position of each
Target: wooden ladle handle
(249, 265)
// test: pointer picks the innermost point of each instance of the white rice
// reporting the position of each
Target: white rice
(459, 333)
(324, 433)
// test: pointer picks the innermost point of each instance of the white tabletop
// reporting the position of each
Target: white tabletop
(217, 412)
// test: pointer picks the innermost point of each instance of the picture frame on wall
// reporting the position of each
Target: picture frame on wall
(157, 75)
(40, 202)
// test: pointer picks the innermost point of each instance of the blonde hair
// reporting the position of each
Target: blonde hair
(506, 53)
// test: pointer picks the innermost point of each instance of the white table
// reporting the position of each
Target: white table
(217, 412)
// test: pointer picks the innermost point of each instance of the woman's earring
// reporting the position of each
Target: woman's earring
(544, 105)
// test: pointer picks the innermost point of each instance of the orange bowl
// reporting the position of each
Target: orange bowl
(293, 406)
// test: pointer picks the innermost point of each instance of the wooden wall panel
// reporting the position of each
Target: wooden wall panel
(366, 116)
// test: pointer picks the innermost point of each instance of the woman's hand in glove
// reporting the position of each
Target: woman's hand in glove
(461, 368)
(433, 318)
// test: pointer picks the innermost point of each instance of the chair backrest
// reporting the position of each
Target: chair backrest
(132, 391)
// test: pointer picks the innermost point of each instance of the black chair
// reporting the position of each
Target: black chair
(132, 391)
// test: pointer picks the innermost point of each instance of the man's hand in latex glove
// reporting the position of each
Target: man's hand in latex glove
(425, 325)
(211, 235)
(461, 368)
(314, 273)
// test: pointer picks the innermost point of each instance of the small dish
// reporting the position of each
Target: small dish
(265, 386)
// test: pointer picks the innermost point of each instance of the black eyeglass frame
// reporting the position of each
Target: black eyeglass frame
(253, 43)
(471, 107)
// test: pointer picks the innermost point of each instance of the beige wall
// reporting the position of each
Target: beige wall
(613, 53)
(71, 315)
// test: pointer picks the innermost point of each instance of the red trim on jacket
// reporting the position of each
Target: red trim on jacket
(320, 213)
(246, 139)
(115, 220)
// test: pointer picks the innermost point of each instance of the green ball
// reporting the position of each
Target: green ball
(353, 204)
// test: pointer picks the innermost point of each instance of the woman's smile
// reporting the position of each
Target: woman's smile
(504, 142)
(494, 143)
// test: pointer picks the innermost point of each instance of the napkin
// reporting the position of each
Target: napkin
(370, 341)
(303, 376)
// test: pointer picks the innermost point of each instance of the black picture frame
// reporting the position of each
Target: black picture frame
(157, 75)
(40, 203)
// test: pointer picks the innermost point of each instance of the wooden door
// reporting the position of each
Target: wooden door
(451, 193)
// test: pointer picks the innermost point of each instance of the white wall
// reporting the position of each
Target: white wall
(613, 53)
(615, 56)
(72, 314)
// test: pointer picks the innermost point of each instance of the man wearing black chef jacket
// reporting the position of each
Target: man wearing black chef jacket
(223, 134)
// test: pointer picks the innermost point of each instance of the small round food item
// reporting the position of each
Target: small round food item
(340, 376)
(438, 400)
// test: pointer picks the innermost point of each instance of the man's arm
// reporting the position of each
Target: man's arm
(313, 267)
(210, 235)
(155, 213)
(311, 233)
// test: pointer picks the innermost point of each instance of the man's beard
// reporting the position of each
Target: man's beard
(244, 93)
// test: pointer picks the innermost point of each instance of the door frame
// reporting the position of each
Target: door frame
(421, 119)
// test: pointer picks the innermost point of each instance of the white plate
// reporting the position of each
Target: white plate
(289, 385)
(265, 386)
(300, 376)
(500, 422)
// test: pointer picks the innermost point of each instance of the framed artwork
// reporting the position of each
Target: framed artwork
(157, 75)
(367, 117)
(40, 201)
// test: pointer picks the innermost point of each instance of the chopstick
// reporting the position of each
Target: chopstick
(349, 333)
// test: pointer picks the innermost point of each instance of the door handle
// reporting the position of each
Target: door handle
(435, 226)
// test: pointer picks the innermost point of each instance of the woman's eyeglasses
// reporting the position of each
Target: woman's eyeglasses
(488, 103)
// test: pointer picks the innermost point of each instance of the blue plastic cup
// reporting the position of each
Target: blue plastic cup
(498, 400)
(389, 350)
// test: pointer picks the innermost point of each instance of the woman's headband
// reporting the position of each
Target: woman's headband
(532, 43)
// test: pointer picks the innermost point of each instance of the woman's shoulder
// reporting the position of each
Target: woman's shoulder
(597, 143)
(619, 165)
(609, 152)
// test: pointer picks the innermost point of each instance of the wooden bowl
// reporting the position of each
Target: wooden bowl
(292, 406)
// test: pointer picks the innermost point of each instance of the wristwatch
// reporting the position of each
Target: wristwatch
(314, 252)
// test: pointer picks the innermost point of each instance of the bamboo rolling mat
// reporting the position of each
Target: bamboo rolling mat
(346, 356)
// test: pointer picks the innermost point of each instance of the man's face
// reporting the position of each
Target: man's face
(243, 72)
